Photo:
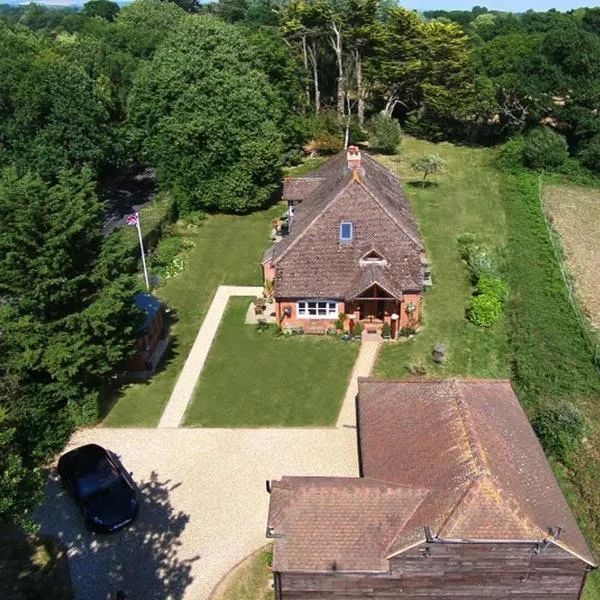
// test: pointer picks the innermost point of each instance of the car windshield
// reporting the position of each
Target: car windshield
(102, 477)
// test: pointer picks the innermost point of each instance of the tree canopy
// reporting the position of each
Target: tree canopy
(207, 118)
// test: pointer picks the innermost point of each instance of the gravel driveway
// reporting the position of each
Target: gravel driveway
(204, 505)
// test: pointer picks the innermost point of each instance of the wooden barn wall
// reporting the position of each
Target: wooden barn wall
(450, 572)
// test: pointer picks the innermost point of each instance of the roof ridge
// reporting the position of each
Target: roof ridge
(390, 546)
(470, 437)
(421, 381)
(452, 517)
(291, 177)
(470, 492)
(401, 226)
(310, 224)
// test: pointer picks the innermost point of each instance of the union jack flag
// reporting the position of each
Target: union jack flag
(132, 219)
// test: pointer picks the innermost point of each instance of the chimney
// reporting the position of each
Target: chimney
(353, 157)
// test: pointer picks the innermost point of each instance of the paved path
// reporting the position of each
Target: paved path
(184, 388)
(204, 505)
(362, 368)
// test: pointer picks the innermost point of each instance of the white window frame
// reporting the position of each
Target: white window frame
(346, 240)
(321, 309)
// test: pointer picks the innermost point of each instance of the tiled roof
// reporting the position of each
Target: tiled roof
(338, 523)
(370, 275)
(299, 188)
(311, 261)
(471, 444)
(452, 459)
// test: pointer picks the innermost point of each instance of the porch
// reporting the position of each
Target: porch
(373, 308)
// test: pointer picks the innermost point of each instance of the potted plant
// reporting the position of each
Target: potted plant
(269, 290)
(358, 329)
(411, 307)
(339, 324)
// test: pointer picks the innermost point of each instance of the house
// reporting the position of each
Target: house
(455, 500)
(353, 248)
(152, 333)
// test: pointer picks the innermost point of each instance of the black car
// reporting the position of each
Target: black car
(100, 486)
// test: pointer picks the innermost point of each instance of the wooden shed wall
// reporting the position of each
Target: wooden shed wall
(451, 572)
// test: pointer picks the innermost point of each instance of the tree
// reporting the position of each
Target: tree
(142, 25)
(21, 486)
(385, 133)
(53, 115)
(429, 165)
(396, 66)
(64, 327)
(101, 8)
(272, 56)
(207, 119)
(544, 149)
(364, 33)
(590, 154)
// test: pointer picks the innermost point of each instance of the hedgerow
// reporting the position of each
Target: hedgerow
(552, 361)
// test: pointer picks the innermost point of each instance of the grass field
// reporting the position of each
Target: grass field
(228, 250)
(467, 198)
(252, 378)
(575, 214)
(551, 355)
(250, 580)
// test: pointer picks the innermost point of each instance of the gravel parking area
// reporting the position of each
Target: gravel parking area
(204, 505)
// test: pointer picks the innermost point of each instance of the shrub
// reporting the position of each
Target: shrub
(168, 248)
(484, 310)
(339, 324)
(561, 428)
(358, 329)
(266, 558)
(326, 143)
(384, 133)
(488, 284)
(406, 331)
(511, 155)
(357, 133)
(165, 260)
(386, 330)
(544, 149)
(589, 155)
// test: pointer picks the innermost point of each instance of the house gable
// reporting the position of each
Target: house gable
(317, 263)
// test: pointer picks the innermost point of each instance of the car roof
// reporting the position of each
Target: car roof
(83, 459)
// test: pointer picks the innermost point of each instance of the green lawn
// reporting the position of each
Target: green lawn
(228, 250)
(252, 579)
(467, 199)
(253, 378)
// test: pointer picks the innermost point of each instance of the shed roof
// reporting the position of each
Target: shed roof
(150, 305)
(450, 459)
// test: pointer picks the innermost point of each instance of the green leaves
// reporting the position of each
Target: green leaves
(207, 119)
(63, 327)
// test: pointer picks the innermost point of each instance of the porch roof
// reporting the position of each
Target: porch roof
(369, 276)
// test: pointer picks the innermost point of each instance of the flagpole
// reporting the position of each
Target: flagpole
(139, 230)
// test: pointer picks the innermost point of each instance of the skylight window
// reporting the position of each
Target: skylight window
(346, 232)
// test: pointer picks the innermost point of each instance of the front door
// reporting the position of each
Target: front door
(368, 310)
(380, 311)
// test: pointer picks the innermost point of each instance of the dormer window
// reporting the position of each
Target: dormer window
(346, 232)
(372, 258)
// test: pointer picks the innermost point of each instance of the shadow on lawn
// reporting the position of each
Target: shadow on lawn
(141, 560)
(419, 183)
